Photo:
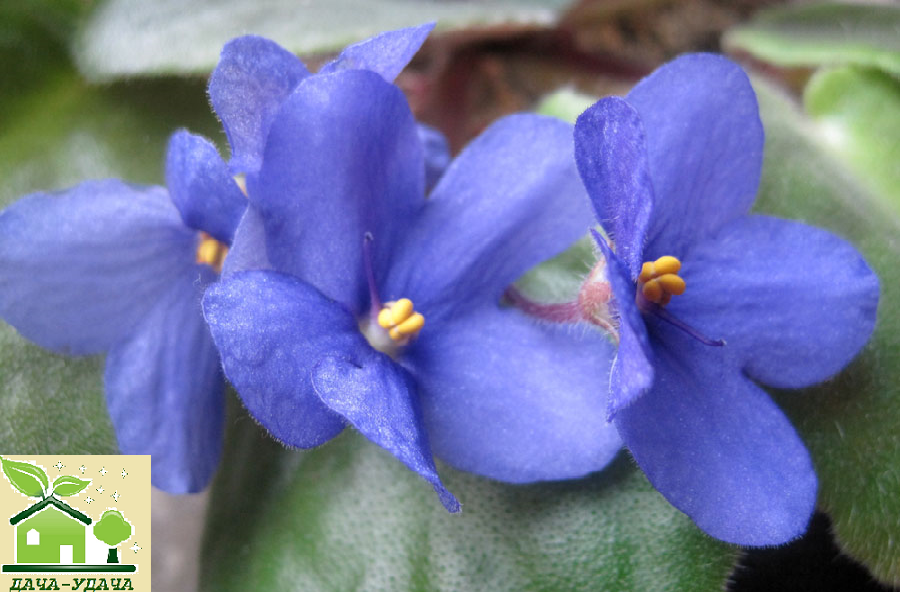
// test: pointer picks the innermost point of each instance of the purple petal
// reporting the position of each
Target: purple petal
(385, 54)
(379, 399)
(81, 268)
(201, 187)
(343, 159)
(253, 77)
(248, 251)
(509, 398)
(794, 303)
(164, 389)
(271, 331)
(717, 447)
(632, 370)
(437, 154)
(704, 143)
(612, 158)
(511, 200)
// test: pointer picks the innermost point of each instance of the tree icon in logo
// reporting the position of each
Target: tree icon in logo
(112, 529)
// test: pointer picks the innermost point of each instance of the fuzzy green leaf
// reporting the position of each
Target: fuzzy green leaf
(128, 37)
(857, 114)
(823, 34)
(28, 478)
(349, 516)
(849, 423)
(67, 485)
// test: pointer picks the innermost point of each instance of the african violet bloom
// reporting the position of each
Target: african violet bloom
(381, 309)
(110, 267)
(712, 300)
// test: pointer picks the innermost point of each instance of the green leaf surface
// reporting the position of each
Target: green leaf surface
(349, 516)
(560, 278)
(128, 37)
(51, 138)
(67, 485)
(857, 114)
(28, 478)
(823, 34)
(850, 423)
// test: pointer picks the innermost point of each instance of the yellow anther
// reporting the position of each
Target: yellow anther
(652, 291)
(671, 284)
(662, 266)
(401, 311)
(412, 325)
(659, 280)
(384, 317)
(401, 320)
(211, 252)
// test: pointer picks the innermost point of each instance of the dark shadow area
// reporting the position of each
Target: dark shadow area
(812, 563)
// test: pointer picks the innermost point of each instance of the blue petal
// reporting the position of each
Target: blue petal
(437, 154)
(509, 398)
(379, 399)
(385, 54)
(632, 371)
(164, 389)
(201, 187)
(717, 447)
(248, 251)
(612, 158)
(704, 142)
(81, 268)
(794, 303)
(271, 331)
(343, 159)
(253, 77)
(509, 201)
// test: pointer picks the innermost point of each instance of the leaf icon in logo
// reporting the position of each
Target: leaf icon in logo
(67, 485)
(26, 477)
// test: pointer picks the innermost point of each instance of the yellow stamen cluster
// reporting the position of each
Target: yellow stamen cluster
(400, 320)
(659, 280)
(211, 252)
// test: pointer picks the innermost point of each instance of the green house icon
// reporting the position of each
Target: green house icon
(50, 531)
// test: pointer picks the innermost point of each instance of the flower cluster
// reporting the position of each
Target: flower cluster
(342, 272)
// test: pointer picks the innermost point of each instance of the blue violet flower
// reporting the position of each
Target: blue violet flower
(711, 300)
(360, 302)
(115, 268)
(111, 267)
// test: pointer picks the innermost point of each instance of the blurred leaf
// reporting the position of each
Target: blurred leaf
(857, 112)
(348, 516)
(68, 485)
(35, 36)
(828, 33)
(28, 478)
(560, 278)
(51, 138)
(565, 104)
(849, 423)
(170, 36)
